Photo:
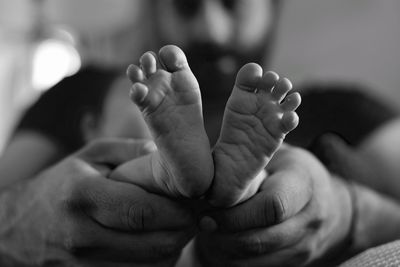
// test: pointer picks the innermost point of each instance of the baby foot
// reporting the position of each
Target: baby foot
(257, 117)
(169, 96)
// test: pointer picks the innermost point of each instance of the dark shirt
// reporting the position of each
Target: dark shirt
(343, 109)
(58, 112)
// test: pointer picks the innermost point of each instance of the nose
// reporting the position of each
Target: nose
(213, 23)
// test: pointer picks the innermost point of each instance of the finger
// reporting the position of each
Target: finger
(115, 151)
(109, 245)
(298, 255)
(130, 208)
(255, 242)
(282, 195)
(341, 159)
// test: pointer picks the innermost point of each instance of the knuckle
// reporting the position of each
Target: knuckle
(317, 218)
(252, 246)
(138, 215)
(276, 208)
(73, 199)
(279, 205)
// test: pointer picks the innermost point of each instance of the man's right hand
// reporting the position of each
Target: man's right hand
(72, 215)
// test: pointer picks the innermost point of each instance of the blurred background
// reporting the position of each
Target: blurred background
(42, 42)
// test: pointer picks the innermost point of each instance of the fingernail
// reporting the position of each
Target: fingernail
(150, 147)
(208, 224)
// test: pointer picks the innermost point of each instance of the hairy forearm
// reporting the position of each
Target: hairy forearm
(377, 219)
(19, 244)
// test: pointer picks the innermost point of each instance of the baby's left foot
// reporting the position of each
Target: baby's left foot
(257, 118)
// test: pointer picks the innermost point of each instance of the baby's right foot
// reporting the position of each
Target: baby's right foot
(168, 94)
(257, 117)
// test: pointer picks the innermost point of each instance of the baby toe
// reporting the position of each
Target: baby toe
(173, 58)
(138, 93)
(268, 81)
(148, 63)
(281, 88)
(289, 121)
(291, 102)
(135, 74)
(248, 77)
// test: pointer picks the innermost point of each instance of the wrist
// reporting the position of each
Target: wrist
(349, 218)
(340, 237)
(378, 219)
(15, 226)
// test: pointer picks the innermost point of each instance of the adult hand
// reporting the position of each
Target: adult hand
(72, 215)
(300, 214)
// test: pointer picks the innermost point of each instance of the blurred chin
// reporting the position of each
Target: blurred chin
(216, 67)
(215, 83)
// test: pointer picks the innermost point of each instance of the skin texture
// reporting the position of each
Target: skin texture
(168, 95)
(299, 213)
(377, 213)
(78, 217)
(258, 115)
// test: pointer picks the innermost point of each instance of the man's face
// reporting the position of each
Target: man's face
(218, 36)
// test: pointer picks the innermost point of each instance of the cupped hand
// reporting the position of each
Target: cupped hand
(72, 215)
(300, 214)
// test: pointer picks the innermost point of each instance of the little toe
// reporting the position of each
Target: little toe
(138, 93)
(248, 77)
(291, 102)
(135, 74)
(172, 58)
(281, 88)
(268, 81)
(148, 63)
(289, 121)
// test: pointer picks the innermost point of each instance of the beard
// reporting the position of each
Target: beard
(215, 68)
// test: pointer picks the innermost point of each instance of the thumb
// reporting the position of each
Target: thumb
(332, 151)
(343, 160)
(115, 151)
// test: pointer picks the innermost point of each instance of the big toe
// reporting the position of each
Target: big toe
(248, 77)
(173, 58)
